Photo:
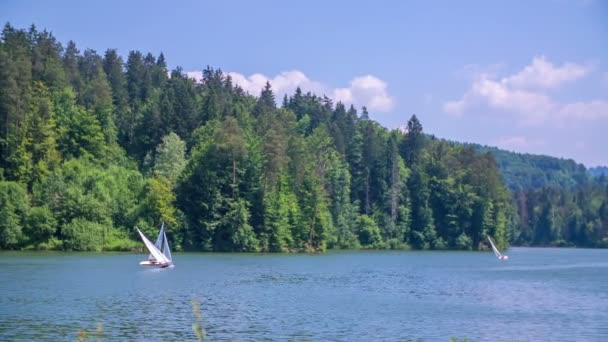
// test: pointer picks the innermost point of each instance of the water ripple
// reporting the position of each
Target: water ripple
(392, 296)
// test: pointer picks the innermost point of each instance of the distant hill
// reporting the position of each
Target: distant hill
(522, 171)
(598, 171)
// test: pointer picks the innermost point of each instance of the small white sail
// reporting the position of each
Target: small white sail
(156, 253)
(496, 252)
(159, 240)
(166, 250)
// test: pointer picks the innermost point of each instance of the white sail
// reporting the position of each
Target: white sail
(166, 250)
(159, 240)
(496, 252)
(155, 252)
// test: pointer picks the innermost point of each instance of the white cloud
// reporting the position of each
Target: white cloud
(366, 90)
(196, 75)
(456, 108)
(543, 74)
(533, 107)
(524, 94)
(283, 83)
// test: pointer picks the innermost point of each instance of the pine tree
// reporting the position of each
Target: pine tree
(40, 134)
(46, 60)
(96, 94)
(70, 65)
(15, 79)
(116, 78)
(413, 142)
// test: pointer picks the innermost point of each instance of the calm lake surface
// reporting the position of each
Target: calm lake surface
(536, 295)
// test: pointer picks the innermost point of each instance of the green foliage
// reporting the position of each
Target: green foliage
(280, 218)
(159, 201)
(41, 134)
(563, 217)
(118, 240)
(53, 244)
(170, 157)
(526, 171)
(82, 190)
(234, 233)
(368, 231)
(41, 225)
(413, 142)
(464, 242)
(83, 235)
(14, 209)
(343, 212)
(19, 160)
(80, 133)
(423, 228)
(96, 94)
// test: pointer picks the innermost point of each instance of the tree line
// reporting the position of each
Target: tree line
(92, 146)
(559, 202)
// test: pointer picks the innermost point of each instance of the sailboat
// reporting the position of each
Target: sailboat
(160, 253)
(496, 252)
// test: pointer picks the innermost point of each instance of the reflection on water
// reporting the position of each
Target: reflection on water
(538, 294)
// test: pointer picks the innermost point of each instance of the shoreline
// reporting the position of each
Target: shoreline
(329, 251)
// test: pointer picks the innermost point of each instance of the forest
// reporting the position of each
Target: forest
(93, 145)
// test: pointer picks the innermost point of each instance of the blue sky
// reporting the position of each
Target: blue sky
(528, 76)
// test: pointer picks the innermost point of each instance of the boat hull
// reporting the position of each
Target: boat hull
(155, 264)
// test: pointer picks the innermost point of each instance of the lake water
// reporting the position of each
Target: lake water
(536, 295)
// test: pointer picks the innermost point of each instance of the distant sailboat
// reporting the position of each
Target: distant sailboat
(160, 254)
(496, 252)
